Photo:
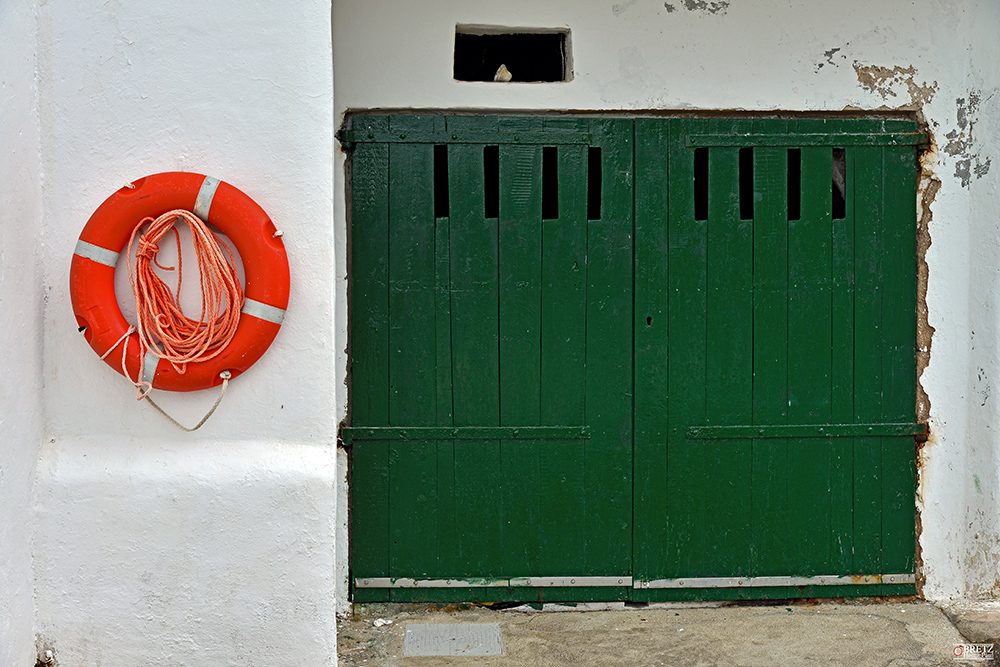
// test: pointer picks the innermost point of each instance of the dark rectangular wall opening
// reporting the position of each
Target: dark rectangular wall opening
(528, 56)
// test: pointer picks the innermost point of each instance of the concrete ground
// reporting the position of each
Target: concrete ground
(852, 634)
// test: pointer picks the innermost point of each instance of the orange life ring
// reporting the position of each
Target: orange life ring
(265, 264)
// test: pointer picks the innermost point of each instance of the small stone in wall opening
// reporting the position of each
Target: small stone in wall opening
(503, 74)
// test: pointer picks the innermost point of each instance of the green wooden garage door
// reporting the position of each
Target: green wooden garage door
(644, 359)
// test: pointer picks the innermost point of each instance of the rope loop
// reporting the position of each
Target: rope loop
(163, 327)
(225, 375)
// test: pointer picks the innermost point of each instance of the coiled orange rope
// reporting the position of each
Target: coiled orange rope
(162, 325)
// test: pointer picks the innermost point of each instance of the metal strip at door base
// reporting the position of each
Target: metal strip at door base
(745, 582)
(689, 582)
(532, 582)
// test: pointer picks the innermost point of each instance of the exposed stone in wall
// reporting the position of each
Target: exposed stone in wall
(831, 56)
(961, 144)
(928, 188)
(702, 6)
(892, 83)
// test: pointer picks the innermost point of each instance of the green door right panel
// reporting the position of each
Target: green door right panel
(767, 316)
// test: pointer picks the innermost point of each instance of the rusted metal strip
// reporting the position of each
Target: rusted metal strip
(745, 582)
(387, 582)
(532, 582)
(555, 582)
(805, 431)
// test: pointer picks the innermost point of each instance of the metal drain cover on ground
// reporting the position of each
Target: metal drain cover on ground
(423, 639)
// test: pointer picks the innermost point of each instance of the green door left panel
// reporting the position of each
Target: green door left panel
(485, 342)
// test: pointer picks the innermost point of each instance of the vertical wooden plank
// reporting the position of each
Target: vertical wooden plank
(475, 351)
(412, 353)
(447, 564)
(842, 367)
(868, 215)
(520, 281)
(563, 376)
(769, 465)
(370, 277)
(474, 275)
(446, 448)
(722, 477)
(412, 356)
(810, 359)
(370, 354)
(608, 453)
(442, 320)
(686, 321)
(651, 359)
(520, 260)
(899, 331)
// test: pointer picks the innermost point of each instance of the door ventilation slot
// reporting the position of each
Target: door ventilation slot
(441, 181)
(491, 180)
(550, 183)
(701, 184)
(746, 184)
(839, 184)
(794, 183)
(594, 183)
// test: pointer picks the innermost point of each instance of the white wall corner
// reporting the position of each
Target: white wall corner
(21, 324)
(179, 552)
(218, 545)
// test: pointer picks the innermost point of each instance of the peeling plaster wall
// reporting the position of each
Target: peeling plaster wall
(155, 546)
(20, 325)
(972, 144)
(758, 55)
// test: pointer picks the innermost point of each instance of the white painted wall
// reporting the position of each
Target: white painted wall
(154, 546)
(20, 325)
(974, 145)
(158, 547)
(765, 55)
